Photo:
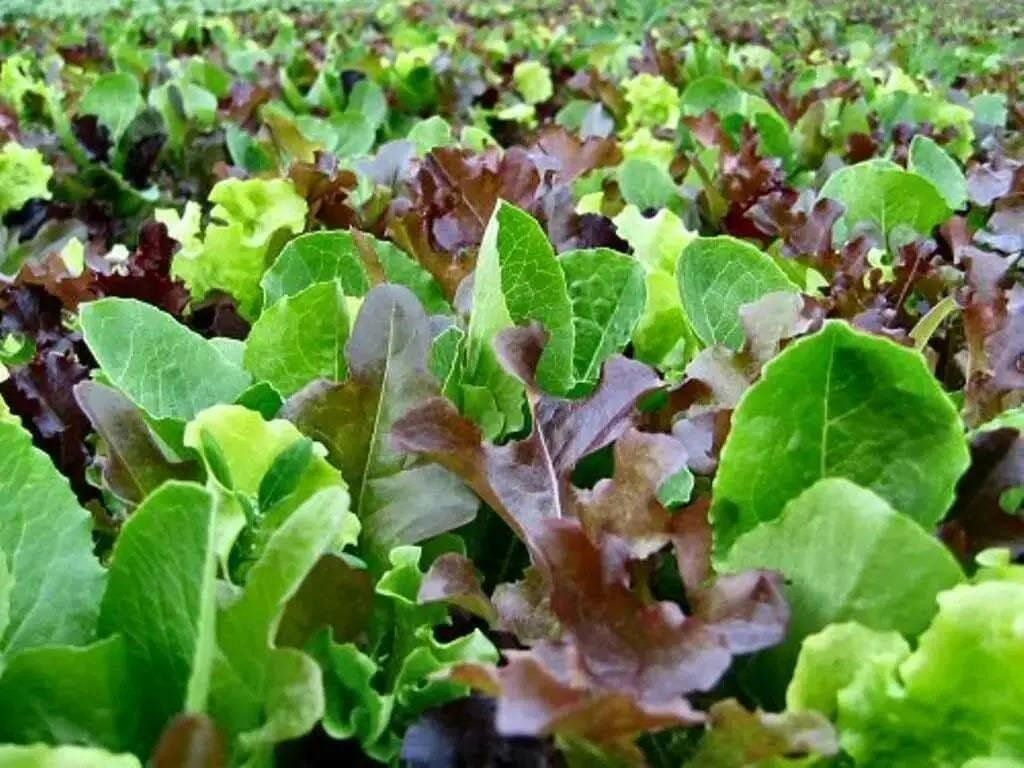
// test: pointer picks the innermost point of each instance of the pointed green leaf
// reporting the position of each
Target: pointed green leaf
(930, 160)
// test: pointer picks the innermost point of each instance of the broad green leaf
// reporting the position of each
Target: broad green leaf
(840, 403)
(432, 132)
(24, 175)
(388, 360)
(300, 338)
(239, 449)
(356, 259)
(881, 193)
(353, 136)
(160, 598)
(717, 276)
(162, 366)
(929, 160)
(517, 279)
(846, 555)
(6, 587)
(42, 756)
(608, 294)
(256, 688)
(115, 99)
(45, 538)
(713, 94)
(248, 224)
(65, 694)
(663, 336)
(645, 184)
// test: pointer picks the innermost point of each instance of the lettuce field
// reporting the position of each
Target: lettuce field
(497, 385)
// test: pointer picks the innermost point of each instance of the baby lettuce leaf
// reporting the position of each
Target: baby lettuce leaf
(54, 582)
(608, 294)
(162, 366)
(132, 461)
(160, 598)
(936, 704)
(248, 223)
(357, 259)
(846, 556)
(663, 336)
(114, 98)
(388, 362)
(259, 693)
(42, 756)
(260, 471)
(65, 694)
(881, 193)
(300, 338)
(839, 403)
(374, 696)
(517, 278)
(717, 276)
(929, 160)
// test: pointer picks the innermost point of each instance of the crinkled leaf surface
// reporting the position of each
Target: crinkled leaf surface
(608, 295)
(42, 756)
(839, 403)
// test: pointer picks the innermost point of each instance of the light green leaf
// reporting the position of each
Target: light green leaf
(846, 555)
(717, 276)
(885, 195)
(115, 99)
(239, 449)
(929, 160)
(255, 686)
(24, 175)
(712, 94)
(248, 225)
(830, 660)
(533, 81)
(160, 598)
(45, 538)
(517, 279)
(300, 338)
(162, 366)
(663, 336)
(608, 294)
(66, 694)
(42, 756)
(840, 403)
(356, 259)
(429, 133)
(645, 184)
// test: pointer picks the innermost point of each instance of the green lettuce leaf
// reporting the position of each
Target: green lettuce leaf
(261, 472)
(41, 756)
(953, 699)
(24, 176)
(300, 338)
(608, 294)
(248, 224)
(517, 279)
(373, 696)
(259, 693)
(54, 582)
(717, 276)
(839, 403)
(162, 366)
(160, 598)
(846, 555)
(115, 99)
(929, 160)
